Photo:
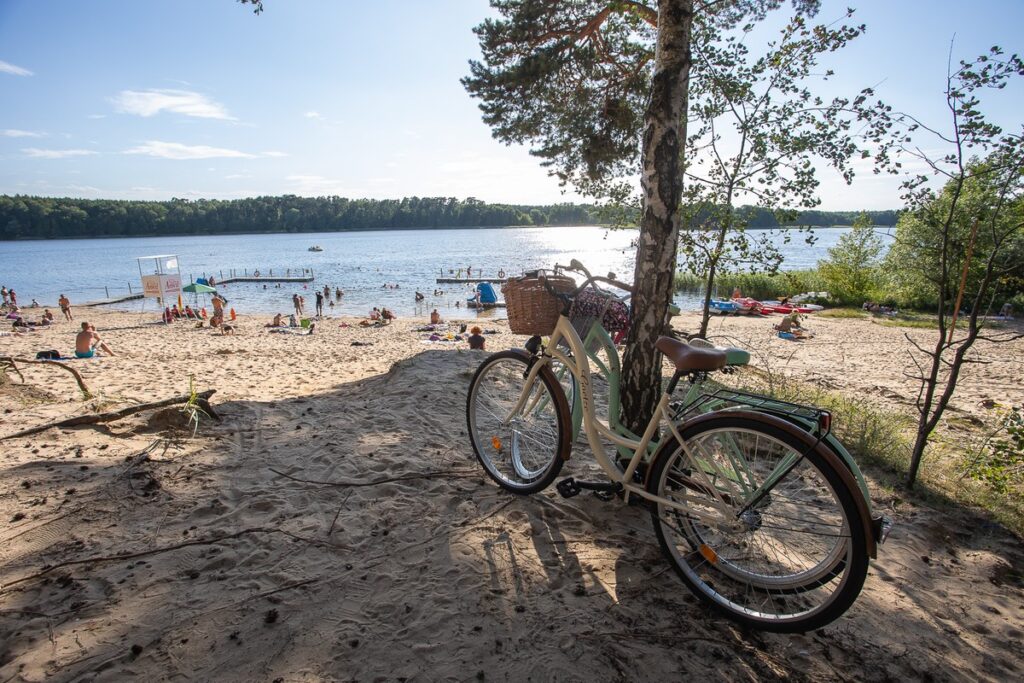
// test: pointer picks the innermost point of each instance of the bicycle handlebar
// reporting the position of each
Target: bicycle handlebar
(578, 267)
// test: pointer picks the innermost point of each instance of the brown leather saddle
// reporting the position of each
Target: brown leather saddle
(688, 358)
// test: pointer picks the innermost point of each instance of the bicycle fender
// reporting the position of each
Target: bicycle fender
(836, 446)
(561, 403)
(812, 442)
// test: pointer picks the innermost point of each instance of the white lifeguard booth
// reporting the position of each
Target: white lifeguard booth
(161, 277)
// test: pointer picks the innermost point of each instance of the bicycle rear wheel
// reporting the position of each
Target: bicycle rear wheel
(793, 561)
(522, 452)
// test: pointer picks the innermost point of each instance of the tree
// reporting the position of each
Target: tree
(966, 239)
(760, 130)
(600, 89)
(852, 265)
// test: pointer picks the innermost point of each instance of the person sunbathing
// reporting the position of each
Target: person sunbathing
(791, 325)
(87, 341)
(278, 321)
(435, 317)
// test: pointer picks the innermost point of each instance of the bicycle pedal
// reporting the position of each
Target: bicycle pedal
(567, 488)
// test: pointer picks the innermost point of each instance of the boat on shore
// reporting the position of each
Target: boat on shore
(779, 307)
(753, 306)
(733, 307)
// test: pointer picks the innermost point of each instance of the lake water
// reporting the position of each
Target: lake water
(361, 263)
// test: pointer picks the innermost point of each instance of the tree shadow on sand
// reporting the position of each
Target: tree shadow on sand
(352, 535)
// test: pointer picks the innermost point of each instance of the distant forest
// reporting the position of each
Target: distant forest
(26, 217)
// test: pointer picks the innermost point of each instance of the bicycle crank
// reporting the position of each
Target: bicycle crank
(570, 487)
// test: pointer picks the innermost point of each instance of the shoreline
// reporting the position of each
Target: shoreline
(794, 226)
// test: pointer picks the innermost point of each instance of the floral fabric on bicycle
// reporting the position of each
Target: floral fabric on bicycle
(593, 304)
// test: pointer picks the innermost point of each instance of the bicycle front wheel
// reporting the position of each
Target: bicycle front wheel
(522, 450)
(769, 533)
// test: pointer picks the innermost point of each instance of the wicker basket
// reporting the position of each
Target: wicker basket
(530, 306)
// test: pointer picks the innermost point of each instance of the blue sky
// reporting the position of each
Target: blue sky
(200, 98)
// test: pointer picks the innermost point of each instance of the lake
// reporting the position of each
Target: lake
(363, 264)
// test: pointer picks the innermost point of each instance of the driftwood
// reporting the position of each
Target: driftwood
(203, 402)
(10, 361)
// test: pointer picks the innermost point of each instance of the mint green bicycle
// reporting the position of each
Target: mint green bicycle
(753, 508)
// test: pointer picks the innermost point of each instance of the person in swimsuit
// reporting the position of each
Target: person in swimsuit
(476, 339)
(87, 341)
(65, 307)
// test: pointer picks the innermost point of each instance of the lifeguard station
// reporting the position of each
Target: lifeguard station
(161, 277)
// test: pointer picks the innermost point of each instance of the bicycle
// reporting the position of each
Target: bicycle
(756, 514)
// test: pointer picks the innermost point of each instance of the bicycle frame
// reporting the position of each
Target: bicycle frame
(579, 365)
(611, 373)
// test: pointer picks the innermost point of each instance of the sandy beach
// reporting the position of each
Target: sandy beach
(334, 525)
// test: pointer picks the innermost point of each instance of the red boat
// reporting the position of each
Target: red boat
(753, 306)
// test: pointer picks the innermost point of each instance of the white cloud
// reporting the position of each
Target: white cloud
(97, 116)
(152, 102)
(178, 151)
(8, 68)
(37, 153)
(313, 115)
(15, 133)
(235, 176)
(273, 153)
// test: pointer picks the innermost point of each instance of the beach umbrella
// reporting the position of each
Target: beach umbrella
(197, 289)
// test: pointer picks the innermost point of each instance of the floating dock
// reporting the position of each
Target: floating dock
(264, 278)
(113, 300)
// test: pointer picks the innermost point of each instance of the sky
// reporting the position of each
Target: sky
(130, 99)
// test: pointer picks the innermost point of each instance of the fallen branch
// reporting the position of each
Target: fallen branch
(10, 360)
(6, 365)
(114, 415)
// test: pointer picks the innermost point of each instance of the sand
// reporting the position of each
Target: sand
(334, 525)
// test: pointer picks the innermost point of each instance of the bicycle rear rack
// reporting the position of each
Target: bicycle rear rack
(726, 399)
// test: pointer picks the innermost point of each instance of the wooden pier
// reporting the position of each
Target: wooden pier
(264, 278)
(113, 300)
(468, 280)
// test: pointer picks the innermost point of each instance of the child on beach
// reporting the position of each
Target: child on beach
(476, 339)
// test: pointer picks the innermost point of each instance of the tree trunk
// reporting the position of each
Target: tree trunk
(662, 184)
(705, 317)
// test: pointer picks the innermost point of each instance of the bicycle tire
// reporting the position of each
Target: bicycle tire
(721, 565)
(505, 451)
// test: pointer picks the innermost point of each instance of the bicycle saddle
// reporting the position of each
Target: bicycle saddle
(688, 358)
